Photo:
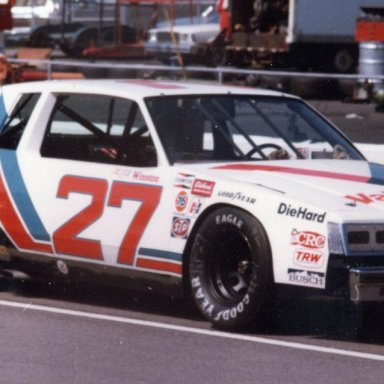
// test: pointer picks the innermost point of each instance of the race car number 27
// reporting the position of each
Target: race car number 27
(66, 238)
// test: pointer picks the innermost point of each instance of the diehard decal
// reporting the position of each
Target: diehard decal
(300, 213)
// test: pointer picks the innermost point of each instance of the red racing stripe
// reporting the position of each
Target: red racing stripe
(14, 226)
(294, 171)
(158, 265)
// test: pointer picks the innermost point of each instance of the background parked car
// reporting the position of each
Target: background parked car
(186, 37)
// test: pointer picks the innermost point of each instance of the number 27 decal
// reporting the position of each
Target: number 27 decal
(66, 239)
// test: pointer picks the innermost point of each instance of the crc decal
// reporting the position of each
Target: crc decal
(203, 187)
(181, 201)
(366, 199)
(180, 227)
(239, 196)
(300, 213)
(308, 258)
(307, 278)
(307, 239)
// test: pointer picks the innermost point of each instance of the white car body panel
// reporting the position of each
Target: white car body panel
(285, 196)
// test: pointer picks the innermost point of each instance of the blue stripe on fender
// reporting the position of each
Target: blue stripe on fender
(165, 255)
(377, 172)
(3, 113)
(20, 195)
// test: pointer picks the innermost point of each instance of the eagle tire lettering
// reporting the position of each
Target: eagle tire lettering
(230, 269)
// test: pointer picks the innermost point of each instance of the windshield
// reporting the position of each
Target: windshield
(237, 127)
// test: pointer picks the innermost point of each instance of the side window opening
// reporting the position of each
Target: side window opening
(14, 125)
(99, 129)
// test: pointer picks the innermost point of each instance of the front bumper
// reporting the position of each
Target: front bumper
(366, 284)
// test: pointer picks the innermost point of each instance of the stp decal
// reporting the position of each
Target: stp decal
(180, 227)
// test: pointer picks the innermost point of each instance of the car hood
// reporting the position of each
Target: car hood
(349, 186)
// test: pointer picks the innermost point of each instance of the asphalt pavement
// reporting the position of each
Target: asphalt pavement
(359, 121)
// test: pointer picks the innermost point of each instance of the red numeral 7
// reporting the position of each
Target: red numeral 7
(149, 196)
(66, 238)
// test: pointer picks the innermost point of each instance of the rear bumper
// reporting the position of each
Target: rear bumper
(366, 284)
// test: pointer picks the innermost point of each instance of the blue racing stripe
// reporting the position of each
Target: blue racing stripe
(20, 195)
(160, 254)
(377, 172)
(3, 112)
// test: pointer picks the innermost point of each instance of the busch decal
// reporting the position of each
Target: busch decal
(307, 278)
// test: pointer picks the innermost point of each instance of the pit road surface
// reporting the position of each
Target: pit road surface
(54, 333)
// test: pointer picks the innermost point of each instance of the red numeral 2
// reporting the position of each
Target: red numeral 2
(66, 238)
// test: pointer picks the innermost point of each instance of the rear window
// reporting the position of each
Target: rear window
(15, 123)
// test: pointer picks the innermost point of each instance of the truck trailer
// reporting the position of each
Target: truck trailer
(304, 34)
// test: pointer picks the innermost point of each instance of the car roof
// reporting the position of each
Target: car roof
(136, 88)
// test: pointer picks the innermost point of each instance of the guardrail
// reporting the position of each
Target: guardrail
(217, 73)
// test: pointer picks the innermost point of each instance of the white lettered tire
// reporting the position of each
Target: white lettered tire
(230, 270)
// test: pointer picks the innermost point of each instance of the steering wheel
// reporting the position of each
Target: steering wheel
(261, 148)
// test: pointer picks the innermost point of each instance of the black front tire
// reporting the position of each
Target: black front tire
(230, 269)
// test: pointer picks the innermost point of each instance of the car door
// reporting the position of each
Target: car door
(91, 187)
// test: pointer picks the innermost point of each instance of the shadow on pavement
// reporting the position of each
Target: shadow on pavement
(309, 317)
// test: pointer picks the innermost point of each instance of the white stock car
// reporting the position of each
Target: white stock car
(227, 191)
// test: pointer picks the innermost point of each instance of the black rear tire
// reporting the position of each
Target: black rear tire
(230, 269)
